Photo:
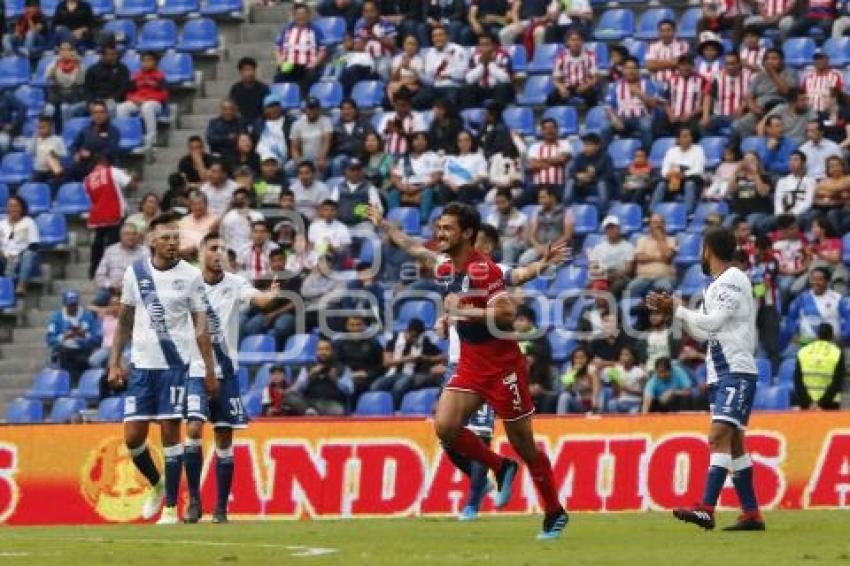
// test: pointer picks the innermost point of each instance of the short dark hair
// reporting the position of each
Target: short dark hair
(825, 331)
(491, 233)
(246, 62)
(799, 154)
(193, 139)
(300, 6)
(149, 54)
(663, 362)
(772, 119)
(793, 93)
(505, 192)
(823, 271)
(416, 325)
(349, 101)
(785, 221)
(287, 192)
(721, 242)
(275, 252)
(632, 59)
(21, 202)
(262, 223)
(210, 236)
(467, 216)
(176, 181)
(46, 118)
(167, 217)
(591, 137)
(307, 163)
(552, 121)
(526, 312)
(817, 123)
(763, 242)
(775, 51)
(551, 190)
(667, 21)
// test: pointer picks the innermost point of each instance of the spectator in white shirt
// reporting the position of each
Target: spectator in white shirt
(218, 189)
(19, 239)
(328, 235)
(612, 259)
(445, 67)
(236, 223)
(116, 259)
(47, 150)
(407, 68)
(489, 75)
(254, 259)
(682, 171)
(416, 176)
(308, 191)
(310, 138)
(818, 149)
(795, 192)
(511, 224)
(464, 173)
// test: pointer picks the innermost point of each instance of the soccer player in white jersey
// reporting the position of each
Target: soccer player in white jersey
(163, 309)
(227, 296)
(726, 320)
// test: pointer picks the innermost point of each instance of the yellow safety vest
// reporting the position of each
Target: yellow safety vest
(817, 363)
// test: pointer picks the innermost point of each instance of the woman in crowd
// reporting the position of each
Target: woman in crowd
(149, 208)
(378, 163)
(406, 69)
(832, 194)
(464, 173)
(19, 239)
(245, 156)
(751, 193)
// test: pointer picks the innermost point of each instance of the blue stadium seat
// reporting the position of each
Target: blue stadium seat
(568, 278)
(586, 218)
(544, 57)
(519, 58)
(602, 56)
(329, 93)
(693, 282)
(420, 402)
(566, 117)
(263, 376)
(136, 8)
(756, 144)
(846, 248)
(773, 398)
(179, 68)
(407, 218)
(253, 403)
(24, 411)
(648, 24)
(89, 385)
(536, 286)
(622, 151)
(535, 91)
(39, 76)
(199, 36)
(637, 49)
(689, 249)
(368, 94)
(103, 8)
(13, 9)
(111, 410)
(14, 71)
(90, 58)
(32, 98)
(157, 35)
(172, 8)
(333, 29)
(374, 404)
(50, 383)
(132, 60)
(52, 229)
(424, 310)
(132, 132)
(630, 216)
(595, 120)
(232, 8)
(473, 118)
(615, 25)
(257, 349)
(787, 368)
(659, 149)
(37, 197)
(8, 299)
(561, 345)
(519, 118)
(300, 349)
(703, 211)
(15, 168)
(4, 196)
(765, 371)
(124, 32)
(838, 51)
(687, 28)
(288, 93)
(243, 378)
(73, 127)
(713, 147)
(65, 409)
(485, 209)
(799, 51)
(589, 242)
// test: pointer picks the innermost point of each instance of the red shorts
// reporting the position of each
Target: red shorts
(507, 394)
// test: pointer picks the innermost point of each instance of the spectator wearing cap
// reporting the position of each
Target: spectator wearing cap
(223, 130)
(818, 149)
(591, 174)
(662, 55)
(146, 96)
(822, 83)
(116, 259)
(328, 235)
(397, 125)
(416, 177)
(630, 104)
(300, 50)
(218, 188)
(195, 164)
(489, 75)
(73, 333)
(195, 225)
(355, 195)
(688, 100)
(309, 192)
(236, 223)
(793, 114)
(445, 67)
(574, 73)
(270, 182)
(348, 135)
(310, 138)
(612, 259)
(769, 87)
(682, 171)
(271, 130)
(254, 258)
(653, 259)
(552, 225)
(248, 93)
(710, 60)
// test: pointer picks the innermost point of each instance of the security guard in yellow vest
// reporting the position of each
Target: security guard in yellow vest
(819, 377)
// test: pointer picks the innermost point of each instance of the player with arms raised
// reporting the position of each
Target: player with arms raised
(490, 368)
(163, 309)
(726, 321)
(227, 296)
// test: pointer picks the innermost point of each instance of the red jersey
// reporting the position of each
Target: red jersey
(107, 201)
(148, 85)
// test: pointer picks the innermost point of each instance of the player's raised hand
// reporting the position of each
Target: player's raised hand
(211, 383)
(441, 327)
(117, 377)
(556, 254)
(661, 302)
(375, 215)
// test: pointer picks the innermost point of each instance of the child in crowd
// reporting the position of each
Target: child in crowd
(578, 382)
(638, 179)
(627, 379)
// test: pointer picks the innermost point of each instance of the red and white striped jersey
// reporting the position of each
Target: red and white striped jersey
(729, 93)
(773, 7)
(709, 69)
(728, 8)
(627, 105)
(395, 131)
(574, 70)
(300, 45)
(686, 94)
(663, 51)
(545, 150)
(819, 87)
(753, 57)
(495, 72)
(372, 35)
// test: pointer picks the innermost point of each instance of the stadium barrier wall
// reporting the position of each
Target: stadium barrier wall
(314, 468)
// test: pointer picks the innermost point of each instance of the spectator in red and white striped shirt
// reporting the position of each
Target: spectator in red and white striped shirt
(710, 60)
(729, 94)
(395, 127)
(489, 75)
(689, 101)
(722, 15)
(772, 14)
(752, 53)
(630, 103)
(663, 55)
(548, 158)
(300, 53)
(822, 83)
(574, 73)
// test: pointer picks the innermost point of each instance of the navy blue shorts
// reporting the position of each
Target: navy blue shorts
(483, 420)
(155, 394)
(224, 411)
(731, 398)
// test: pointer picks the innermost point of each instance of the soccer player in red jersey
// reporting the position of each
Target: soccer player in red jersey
(491, 367)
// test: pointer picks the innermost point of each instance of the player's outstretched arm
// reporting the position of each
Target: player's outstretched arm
(202, 336)
(263, 299)
(126, 316)
(399, 238)
(555, 255)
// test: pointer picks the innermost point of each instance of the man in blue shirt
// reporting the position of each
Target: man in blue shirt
(668, 390)
(777, 148)
(73, 333)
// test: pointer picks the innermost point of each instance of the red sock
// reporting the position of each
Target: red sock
(541, 474)
(469, 445)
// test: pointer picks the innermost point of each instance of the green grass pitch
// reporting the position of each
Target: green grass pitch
(793, 538)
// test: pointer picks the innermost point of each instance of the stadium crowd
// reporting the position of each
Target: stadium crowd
(558, 125)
